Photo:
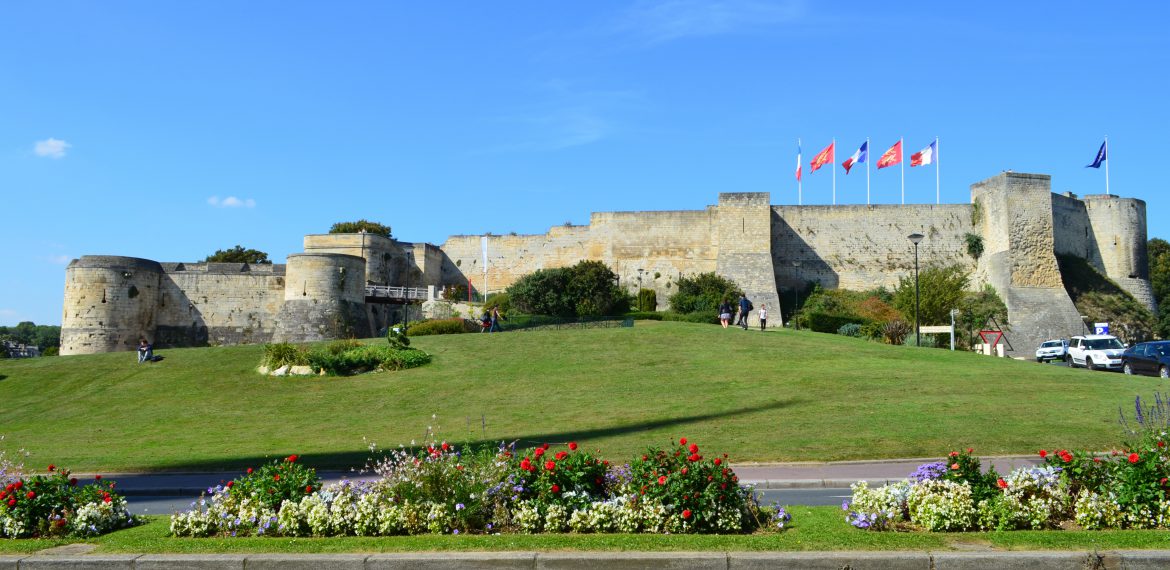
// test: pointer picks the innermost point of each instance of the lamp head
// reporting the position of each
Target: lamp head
(916, 238)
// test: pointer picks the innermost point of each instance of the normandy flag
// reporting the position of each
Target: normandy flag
(822, 158)
(892, 156)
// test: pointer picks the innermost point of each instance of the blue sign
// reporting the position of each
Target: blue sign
(1100, 328)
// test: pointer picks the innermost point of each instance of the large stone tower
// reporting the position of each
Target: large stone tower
(324, 298)
(110, 303)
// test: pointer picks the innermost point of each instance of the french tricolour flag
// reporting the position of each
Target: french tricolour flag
(925, 156)
(857, 158)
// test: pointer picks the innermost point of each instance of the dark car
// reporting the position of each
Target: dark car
(1149, 358)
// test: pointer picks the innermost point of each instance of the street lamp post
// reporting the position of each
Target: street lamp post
(409, 251)
(640, 271)
(796, 295)
(916, 239)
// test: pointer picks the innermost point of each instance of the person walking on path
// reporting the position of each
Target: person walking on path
(745, 307)
(724, 313)
(763, 317)
(485, 321)
(496, 318)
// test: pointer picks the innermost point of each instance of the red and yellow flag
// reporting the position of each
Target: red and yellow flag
(822, 158)
(892, 156)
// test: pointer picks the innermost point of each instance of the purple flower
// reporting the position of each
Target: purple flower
(929, 472)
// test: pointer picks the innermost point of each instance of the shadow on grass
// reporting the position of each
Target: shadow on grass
(345, 460)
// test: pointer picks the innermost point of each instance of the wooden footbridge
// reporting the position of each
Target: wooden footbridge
(390, 294)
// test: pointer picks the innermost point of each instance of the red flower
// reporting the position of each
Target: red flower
(1161, 444)
(1163, 481)
(539, 451)
(682, 441)
(12, 502)
(953, 454)
(572, 446)
(550, 465)
(694, 448)
(561, 455)
(292, 459)
(73, 481)
(954, 467)
(31, 494)
(556, 488)
(308, 488)
(1043, 454)
(644, 458)
(1133, 458)
(723, 485)
(662, 480)
(686, 513)
(718, 461)
(545, 446)
(695, 457)
(276, 477)
(19, 484)
(969, 450)
(684, 470)
(10, 487)
(1002, 484)
(107, 499)
(525, 464)
(1096, 460)
(1066, 456)
(230, 483)
(445, 446)
(249, 471)
(52, 467)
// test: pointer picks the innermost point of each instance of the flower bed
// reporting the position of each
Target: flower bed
(56, 505)
(444, 490)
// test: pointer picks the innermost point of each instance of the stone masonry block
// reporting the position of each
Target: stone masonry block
(443, 561)
(829, 560)
(305, 562)
(102, 562)
(1011, 560)
(631, 560)
(190, 562)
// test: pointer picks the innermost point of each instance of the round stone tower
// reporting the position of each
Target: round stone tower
(110, 303)
(1119, 227)
(324, 298)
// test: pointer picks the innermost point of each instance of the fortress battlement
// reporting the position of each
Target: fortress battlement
(111, 302)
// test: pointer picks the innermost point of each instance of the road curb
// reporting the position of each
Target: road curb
(917, 560)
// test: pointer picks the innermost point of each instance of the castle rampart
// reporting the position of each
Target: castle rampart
(1020, 224)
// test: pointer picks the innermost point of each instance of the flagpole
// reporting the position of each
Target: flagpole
(867, 171)
(1106, 164)
(799, 191)
(833, 163)
(901, 161)
(937, 165)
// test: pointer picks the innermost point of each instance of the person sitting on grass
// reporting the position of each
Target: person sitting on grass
(145, 352)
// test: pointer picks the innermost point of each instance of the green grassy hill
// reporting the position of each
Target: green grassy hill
(775, 396)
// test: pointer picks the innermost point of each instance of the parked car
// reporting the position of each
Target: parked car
(1095, 352)
(1152, 358)
(1052, 350)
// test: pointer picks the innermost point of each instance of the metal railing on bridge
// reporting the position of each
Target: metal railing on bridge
(389, 293)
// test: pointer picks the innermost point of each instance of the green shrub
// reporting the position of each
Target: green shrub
(647, 300)
(895, 332)
(974, 245)
(703, 293)
(358, 226)
(644, 315)
(344, 345)
(586, 289)
(851, 329)
(455, 293)
(443, 326)
(284, 354)
(502, 301)
(829, 323)
(367, 358)
(397, 338)
(940, 290)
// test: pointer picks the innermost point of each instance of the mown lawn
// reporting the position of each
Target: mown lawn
(775, 396)
(812, 529)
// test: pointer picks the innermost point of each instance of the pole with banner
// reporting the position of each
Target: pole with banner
(483, 241)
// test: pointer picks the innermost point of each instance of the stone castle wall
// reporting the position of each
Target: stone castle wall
(111, 302)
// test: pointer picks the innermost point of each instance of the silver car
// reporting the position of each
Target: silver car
(1052, 350)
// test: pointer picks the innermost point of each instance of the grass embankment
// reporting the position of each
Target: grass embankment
(812, 529)
(775, 396)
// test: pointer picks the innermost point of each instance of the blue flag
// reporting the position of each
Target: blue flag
(1100, 157)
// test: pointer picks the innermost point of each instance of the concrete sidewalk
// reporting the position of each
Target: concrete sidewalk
(764, 476)
(917, 560)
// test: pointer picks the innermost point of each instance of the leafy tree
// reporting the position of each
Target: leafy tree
(238, 255)
(588, 288)
(358, 226)
(941, 289)
(703, 293)
(977, 308)
(1159, 255)
(29, 333)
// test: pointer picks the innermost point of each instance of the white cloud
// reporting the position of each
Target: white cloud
(231, 202)
(60, 259)
(658, 22)
(51, 148)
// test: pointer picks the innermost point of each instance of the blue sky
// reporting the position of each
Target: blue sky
(168, 130)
